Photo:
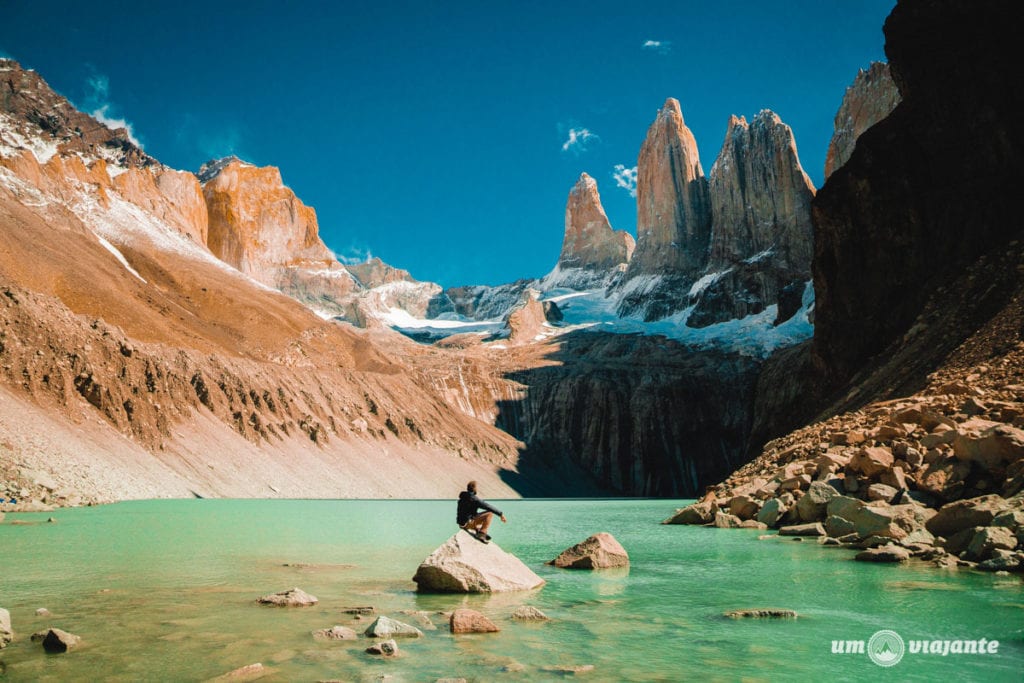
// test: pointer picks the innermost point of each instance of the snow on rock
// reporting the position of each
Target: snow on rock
(119, 256)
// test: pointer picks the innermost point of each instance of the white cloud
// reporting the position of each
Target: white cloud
(98, 99)
(662, 47)
(625, 178)
(354, 256)
(578, 140)
(113, 123)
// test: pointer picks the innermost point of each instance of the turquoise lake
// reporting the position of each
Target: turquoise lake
(165, 590)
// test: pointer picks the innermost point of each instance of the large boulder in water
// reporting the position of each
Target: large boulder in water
(600, 551)
(466, 565)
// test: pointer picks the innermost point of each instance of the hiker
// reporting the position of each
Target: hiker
(467, 517)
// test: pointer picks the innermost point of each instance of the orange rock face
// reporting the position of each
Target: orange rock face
(258, 225)
(590, 243)
(673, 209)
(870, 98)
(174, 197)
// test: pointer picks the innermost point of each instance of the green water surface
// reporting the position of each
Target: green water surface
(165, 590)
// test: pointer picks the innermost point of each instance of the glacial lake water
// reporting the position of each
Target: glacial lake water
(165, 590)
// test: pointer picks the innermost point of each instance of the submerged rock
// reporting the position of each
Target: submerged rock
(249, 672)
(600, 551)
(386, 627)
(762, 614)
(465, 565)
(293, 597)
(471, 621)
(335, 633)
(529, 613)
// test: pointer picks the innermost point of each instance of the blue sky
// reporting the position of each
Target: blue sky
(436, 135)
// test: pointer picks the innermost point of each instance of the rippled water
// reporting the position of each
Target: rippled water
(165, 590)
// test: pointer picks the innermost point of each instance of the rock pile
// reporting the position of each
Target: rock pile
(938, 475)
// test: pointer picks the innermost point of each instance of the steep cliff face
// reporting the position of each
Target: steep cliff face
(257, 224)
(870, 98)
(761, 236)
(673, 210)
(260, 227)
(893, 226)
(760, 196)
(640, 415)
(591, 250)
(673, 219)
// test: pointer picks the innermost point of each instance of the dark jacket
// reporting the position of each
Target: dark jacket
(469, 504)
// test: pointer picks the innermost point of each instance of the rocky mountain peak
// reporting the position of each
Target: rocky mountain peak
(212, 168)
(589, 242)
(870, 98)
(760, 196)
(373, 272)
(673, 210)
(34, 117)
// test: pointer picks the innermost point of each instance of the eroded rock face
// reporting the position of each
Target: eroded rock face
(870, 98)
(465, 565)
(590, 244)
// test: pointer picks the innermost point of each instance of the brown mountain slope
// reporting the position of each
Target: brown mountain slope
(118, 326)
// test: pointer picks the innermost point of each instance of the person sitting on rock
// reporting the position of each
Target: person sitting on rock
(467, 517)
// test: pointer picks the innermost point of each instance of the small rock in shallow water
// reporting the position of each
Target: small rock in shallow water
(471, 621)
(600, 551)
(762, 614)
(529, 613)
(249, 672)
(56, 640)
(293, 597)
(358, 610)
(386, 627)
(568, 670)
(386, 648)
(335, 633)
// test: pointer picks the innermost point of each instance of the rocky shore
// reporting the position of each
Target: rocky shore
(938, 475)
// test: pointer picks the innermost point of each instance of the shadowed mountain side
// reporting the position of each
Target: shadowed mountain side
(630, 415)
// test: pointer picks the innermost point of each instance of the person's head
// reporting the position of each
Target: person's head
(471, 487)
